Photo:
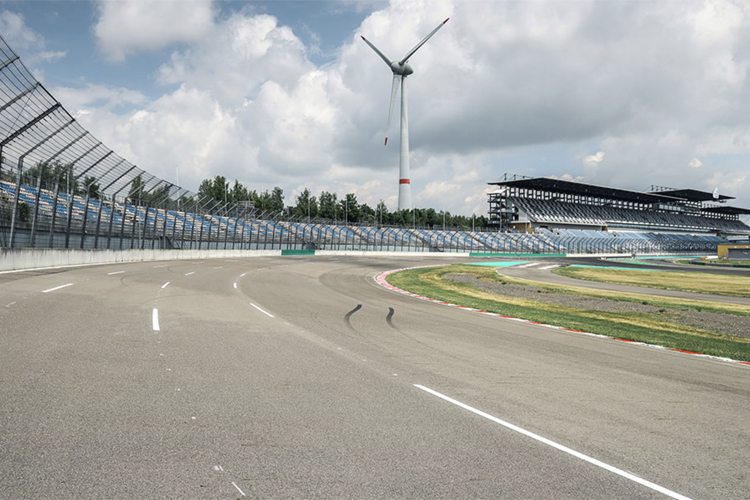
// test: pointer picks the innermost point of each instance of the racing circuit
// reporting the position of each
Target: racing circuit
(300, 377)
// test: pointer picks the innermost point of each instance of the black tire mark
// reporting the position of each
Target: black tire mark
(347, 317)
(389, 318)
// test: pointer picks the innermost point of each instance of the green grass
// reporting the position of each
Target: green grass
(651, 328)
(717, 284)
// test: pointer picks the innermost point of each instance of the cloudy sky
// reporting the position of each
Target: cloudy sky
(285, 93)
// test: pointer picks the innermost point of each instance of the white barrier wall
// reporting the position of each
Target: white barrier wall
(12, 259)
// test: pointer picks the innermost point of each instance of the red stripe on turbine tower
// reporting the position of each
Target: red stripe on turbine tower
(404, 181)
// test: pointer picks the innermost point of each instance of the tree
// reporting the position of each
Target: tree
(349, 208)
(306, 206)
(277, 199)
(136, 189)
(327, 206)
(90, 188)
(382, 213)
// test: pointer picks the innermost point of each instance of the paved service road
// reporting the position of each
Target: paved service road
(301, 377)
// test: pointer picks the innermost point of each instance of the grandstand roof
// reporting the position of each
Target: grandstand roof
(693, 195)
(578, 188)
(726, 210)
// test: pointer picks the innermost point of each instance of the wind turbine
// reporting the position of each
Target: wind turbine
(401, 70)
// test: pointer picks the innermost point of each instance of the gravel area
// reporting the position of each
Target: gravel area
(729, 324)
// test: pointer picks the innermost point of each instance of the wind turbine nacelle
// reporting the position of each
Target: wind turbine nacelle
(401, 69)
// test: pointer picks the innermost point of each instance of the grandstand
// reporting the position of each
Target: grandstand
(561, 207)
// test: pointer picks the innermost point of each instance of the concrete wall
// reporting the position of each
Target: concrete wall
(12, 259)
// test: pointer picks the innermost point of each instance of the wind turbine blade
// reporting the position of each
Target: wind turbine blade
(416, 47)
(394, 89)
(387, 61)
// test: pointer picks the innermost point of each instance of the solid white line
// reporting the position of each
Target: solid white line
(261, 310)
(235, 285)
(116, 272)
(155, 320)
(163, 265)
(191, 272)
(238, 489)
(57, 288)
(165, 285)
(549, 267)
(565, 449)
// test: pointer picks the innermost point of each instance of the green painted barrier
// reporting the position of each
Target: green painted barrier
(523, 255)
(298, 252)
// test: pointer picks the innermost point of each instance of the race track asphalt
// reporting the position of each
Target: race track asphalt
(301, 377)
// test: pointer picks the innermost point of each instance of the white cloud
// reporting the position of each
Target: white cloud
(594, 160)
(125, 27)
(17, 34)
(695, 163)
(26, 41)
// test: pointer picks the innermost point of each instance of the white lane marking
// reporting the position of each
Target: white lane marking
(155, 320)
(532, 264)
(235, 284)
(11, 304)
(565, 449)
(191, 272)
(116, 272)
(218, 267)
(165, 285)
(238, 489)
(57, 288)
(261, 310)
(242, 275)
(163, 265)
(549, 267)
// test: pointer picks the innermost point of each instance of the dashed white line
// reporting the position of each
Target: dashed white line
(165, 285)
(116, 272)
(261, 310)
(235, 284)
(191, 272)
(57, 288)
(155, 320)
(565, 449)
(163, 265)
(238, 489)
(218, 267)
(8, 305)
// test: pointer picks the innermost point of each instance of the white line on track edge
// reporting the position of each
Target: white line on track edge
(238, 489)
(565, 449)
(155, 320)
(57, 288)
(261, 310)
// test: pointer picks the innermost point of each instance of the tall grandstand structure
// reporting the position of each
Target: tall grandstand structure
(529, 204)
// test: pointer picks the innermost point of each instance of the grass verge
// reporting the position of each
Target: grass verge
(717, 284)
(641, 327)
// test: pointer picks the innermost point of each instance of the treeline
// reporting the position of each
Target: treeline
(57, 174)
(325, 206)
(330, 206)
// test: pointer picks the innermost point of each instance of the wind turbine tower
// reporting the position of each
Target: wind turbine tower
(401, 70)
